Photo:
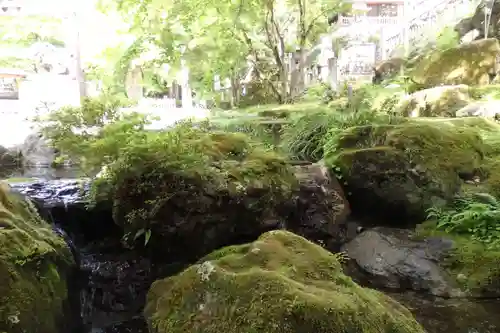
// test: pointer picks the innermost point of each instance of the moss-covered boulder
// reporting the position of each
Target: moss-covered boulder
(441, 101)
(188, 191)
(469, 64)
(393, 173)
(279, 283)
(34, 267)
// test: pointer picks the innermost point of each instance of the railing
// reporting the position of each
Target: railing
(372, 20)
(425, 24)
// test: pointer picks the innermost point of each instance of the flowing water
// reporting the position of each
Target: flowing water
(113, 280)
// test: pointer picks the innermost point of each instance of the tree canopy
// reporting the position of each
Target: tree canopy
(226, 38)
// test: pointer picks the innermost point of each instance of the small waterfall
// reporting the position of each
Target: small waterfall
(111, 282)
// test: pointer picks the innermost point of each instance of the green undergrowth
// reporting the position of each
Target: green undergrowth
(472, 264)
(279, 283)
(34, 266)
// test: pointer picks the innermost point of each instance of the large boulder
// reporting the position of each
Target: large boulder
(394, 173)
(440, 101)
(35, 267)
(472, 64)
(279, 283)
(188, 186)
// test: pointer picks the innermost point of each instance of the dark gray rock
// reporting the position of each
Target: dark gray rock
(389, 258)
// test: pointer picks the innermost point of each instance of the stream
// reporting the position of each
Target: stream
(113, 280)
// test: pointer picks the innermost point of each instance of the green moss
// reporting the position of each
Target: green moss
(485, 92)
(465, 64)
(34, 263)
(279, 283)
(474, 266)
(444, 150)
(406, 168)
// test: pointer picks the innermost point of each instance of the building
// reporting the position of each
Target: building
(369, 24)
(9, 82)
(379, 29)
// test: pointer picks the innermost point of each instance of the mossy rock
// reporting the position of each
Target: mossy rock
(35, 265)
(441, 101)
(469, 64)
(190, 186)
(394, 173)
(279, 283)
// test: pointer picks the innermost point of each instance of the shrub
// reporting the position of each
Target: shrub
(92, 134)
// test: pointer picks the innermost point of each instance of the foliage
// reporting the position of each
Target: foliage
(309, 134)
(16, 62)
(472, 263)
(28, 30)
(93, 133)
(318, 93)
(477, 218)
(447, 38)
(303, 139)
(231, 39)
(279, 283)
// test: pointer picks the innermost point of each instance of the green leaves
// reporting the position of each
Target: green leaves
(94, 133)
(222, 37)
(478, 218)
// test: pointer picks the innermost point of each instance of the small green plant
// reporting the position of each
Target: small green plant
(477, 217)
(93, 134)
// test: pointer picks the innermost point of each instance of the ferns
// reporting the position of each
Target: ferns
(477, 217)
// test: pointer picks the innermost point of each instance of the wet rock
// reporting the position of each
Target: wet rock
(64, 202)
(114, 287)
(319, 211)
(388, 258)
